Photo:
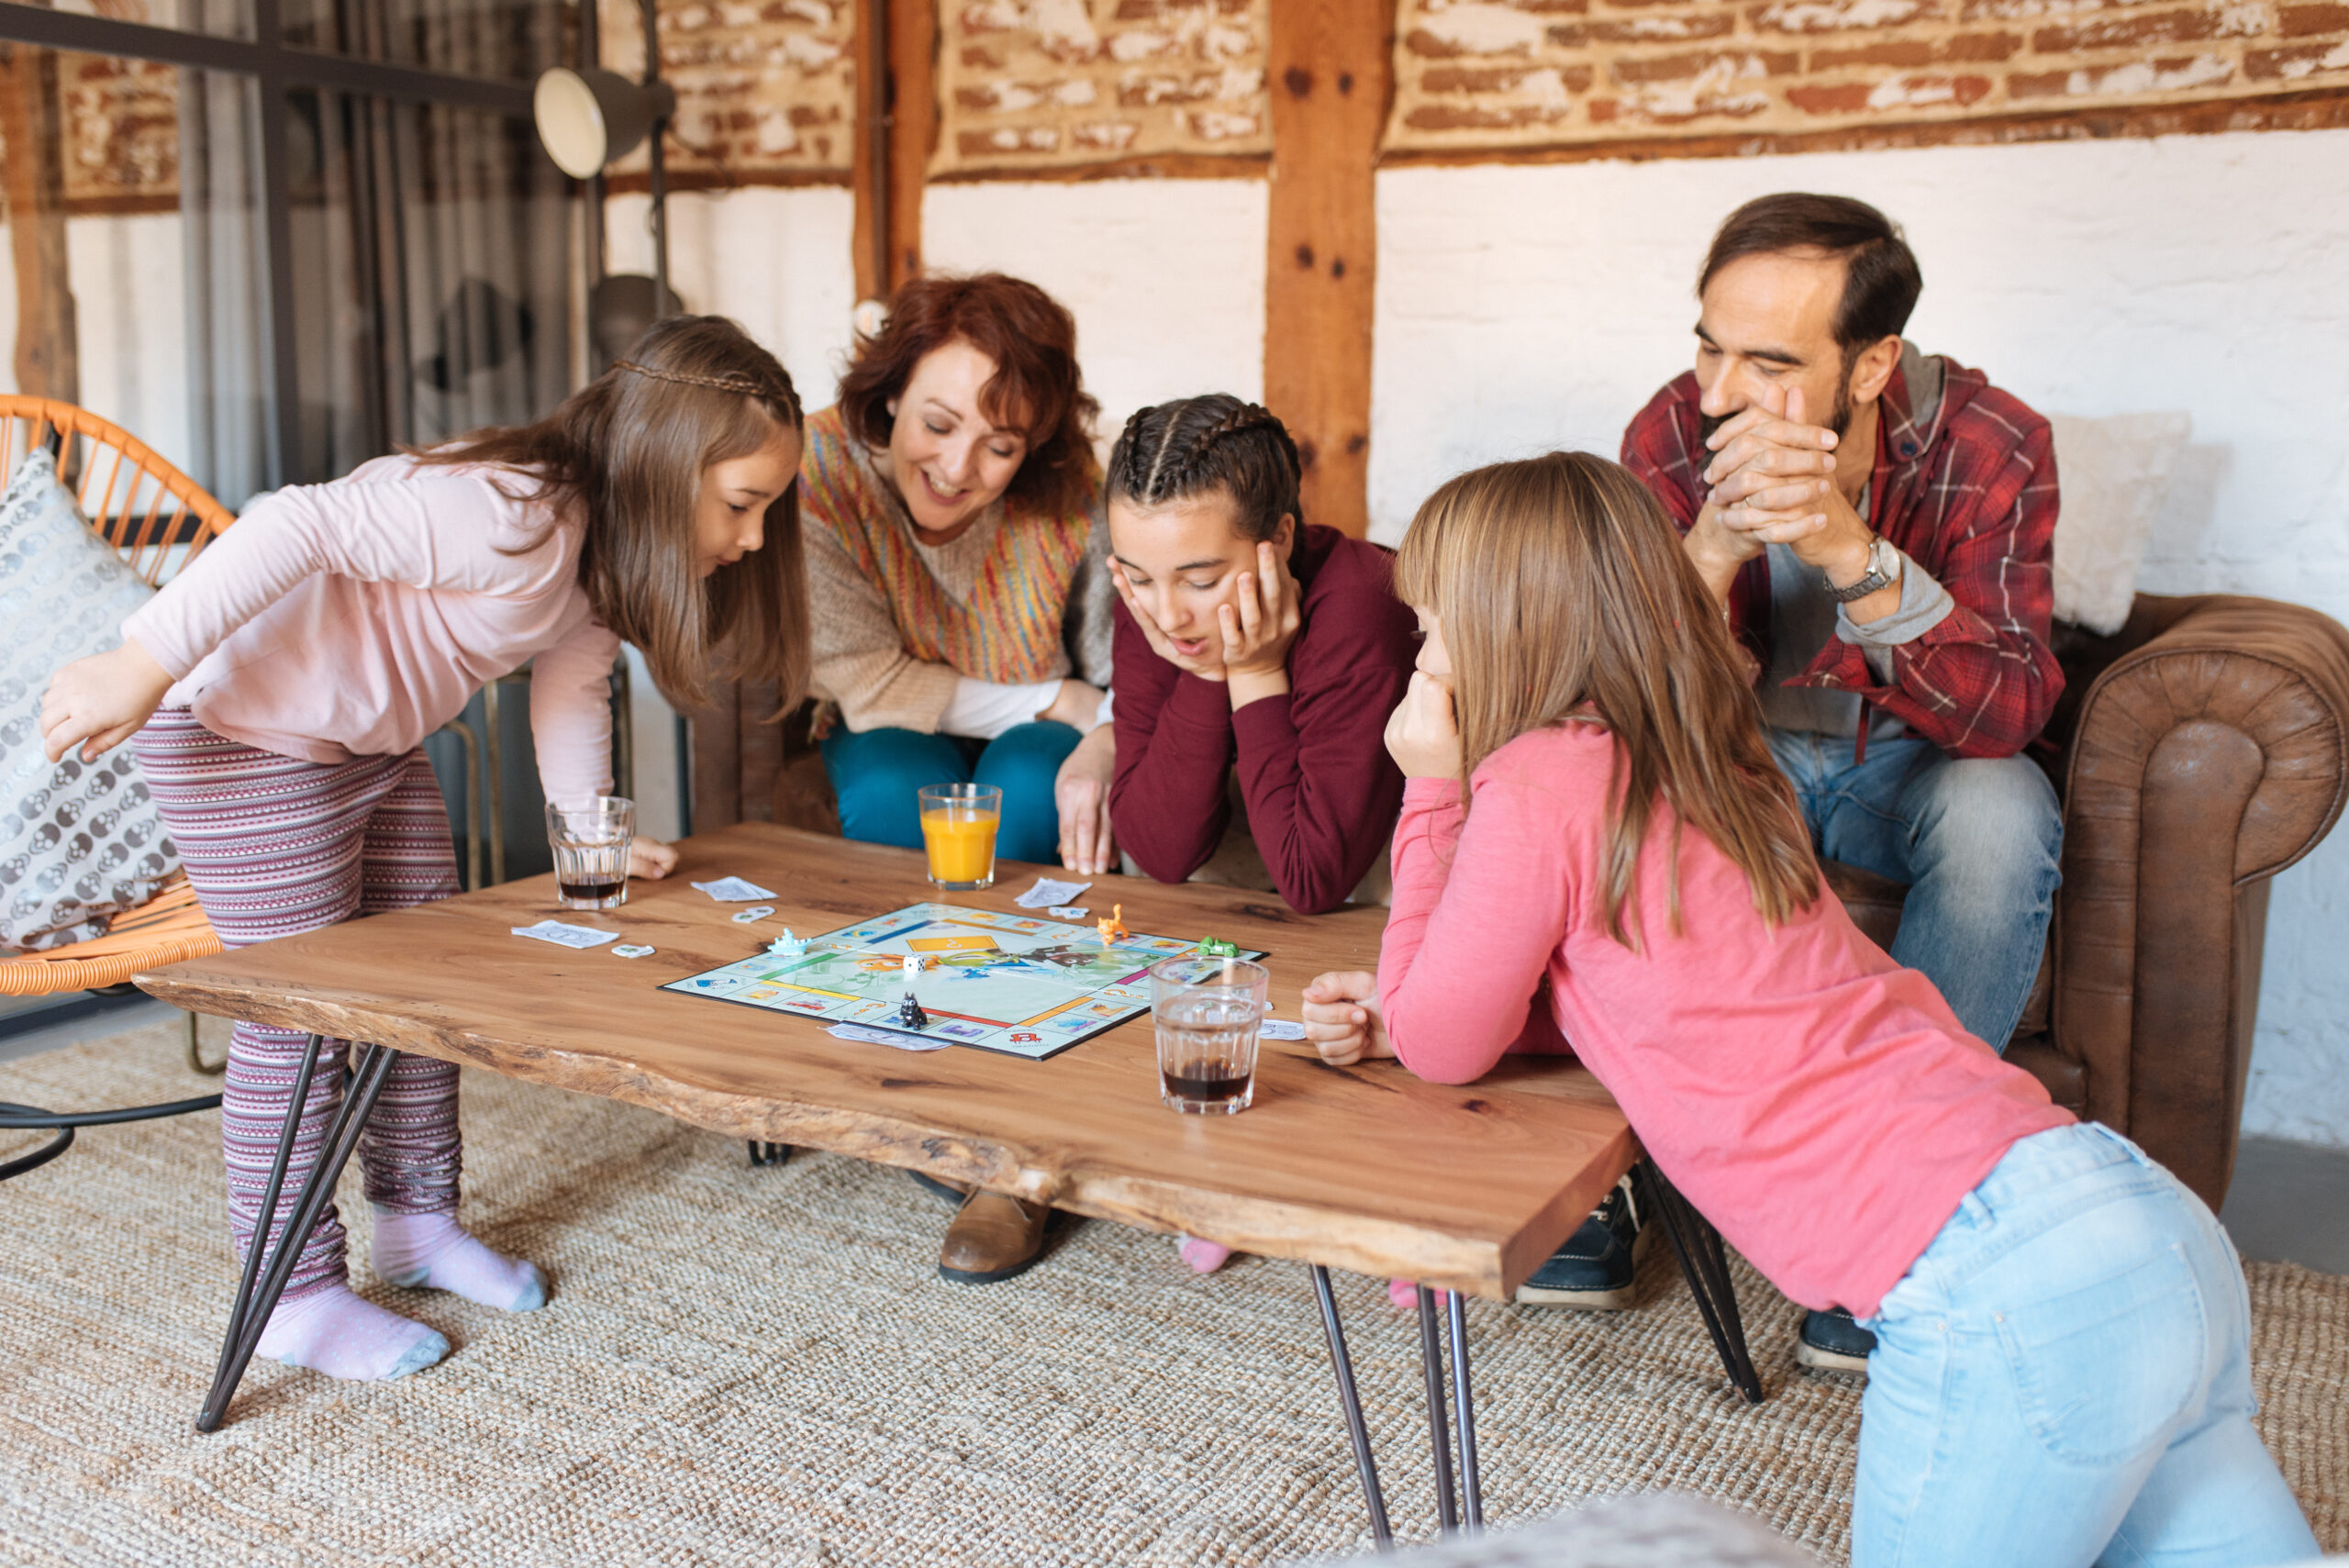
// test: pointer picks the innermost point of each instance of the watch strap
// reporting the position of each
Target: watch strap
(1877, 577)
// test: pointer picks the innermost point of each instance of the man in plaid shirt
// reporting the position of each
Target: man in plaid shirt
(1880, 525)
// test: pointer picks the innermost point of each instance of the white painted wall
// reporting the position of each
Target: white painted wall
(776, 260)
(1166, 277)
(1524, 308)
(132, 312)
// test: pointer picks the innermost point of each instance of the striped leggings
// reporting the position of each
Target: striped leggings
(274, 847)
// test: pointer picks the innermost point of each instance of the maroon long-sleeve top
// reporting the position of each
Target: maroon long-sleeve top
(1322, 793)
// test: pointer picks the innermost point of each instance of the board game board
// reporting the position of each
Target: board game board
(1012, 983)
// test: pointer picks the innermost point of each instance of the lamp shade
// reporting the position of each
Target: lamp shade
(589, 119)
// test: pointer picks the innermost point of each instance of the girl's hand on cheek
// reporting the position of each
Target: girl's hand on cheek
(1261, 623)
(650, 858)
(1206, 668)
(1423, 735)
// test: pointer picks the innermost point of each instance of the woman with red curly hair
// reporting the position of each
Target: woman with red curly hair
(956, 566)
(961, 604)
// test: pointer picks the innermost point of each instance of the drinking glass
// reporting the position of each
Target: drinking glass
(590, 838)
(958, 823)
(1207, 1011)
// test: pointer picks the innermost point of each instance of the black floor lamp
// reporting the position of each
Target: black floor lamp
(589, 119)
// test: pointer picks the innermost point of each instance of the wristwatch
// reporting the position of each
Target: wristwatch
(1883, 571)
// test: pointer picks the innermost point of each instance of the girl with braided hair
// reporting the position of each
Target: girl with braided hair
(1254, 657)
(280, 687)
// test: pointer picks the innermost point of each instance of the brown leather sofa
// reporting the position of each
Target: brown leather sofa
(2199, 751)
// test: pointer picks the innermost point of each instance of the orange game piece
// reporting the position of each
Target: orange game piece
(1112, 926)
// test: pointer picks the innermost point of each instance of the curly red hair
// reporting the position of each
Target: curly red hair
(1030, 337)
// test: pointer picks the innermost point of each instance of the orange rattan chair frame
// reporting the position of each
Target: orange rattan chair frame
(157, 518)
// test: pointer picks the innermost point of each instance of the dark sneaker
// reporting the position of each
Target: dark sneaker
(1596, 1268)
(1833, 1343)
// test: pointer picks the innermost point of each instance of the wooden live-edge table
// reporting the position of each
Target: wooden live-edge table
(1364, 1167)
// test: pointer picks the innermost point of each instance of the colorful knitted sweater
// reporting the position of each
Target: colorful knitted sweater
(1016, 598)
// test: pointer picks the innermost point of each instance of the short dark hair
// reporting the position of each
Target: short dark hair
(1880, 277)
(1030, 337)
(1194, 445)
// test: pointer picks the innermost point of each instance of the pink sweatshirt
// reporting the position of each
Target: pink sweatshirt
(355, 618)
(1821, 1104)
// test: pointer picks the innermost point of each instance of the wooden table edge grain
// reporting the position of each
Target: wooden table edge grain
(1487, 1256)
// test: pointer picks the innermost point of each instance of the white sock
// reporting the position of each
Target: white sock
(434, 1251)
(333, 1331)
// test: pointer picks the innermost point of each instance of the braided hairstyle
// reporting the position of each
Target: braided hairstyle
(1175, 451)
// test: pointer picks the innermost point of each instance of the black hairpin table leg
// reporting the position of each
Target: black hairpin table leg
(1706, 1266)
(1356, 1431)
(1432, 1364)
(1463, 1407)
(769, 1153)
(249, 1314)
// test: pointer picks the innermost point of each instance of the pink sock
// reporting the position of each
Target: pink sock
(332, 1331)
(1205, 1257)
(1405, 1294)
(433, 1250)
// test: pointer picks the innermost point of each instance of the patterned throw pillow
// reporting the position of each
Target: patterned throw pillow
(79, 842)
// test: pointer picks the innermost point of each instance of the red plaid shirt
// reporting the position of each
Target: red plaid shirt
(1970, 496)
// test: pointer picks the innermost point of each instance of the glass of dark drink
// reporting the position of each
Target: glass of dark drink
(590, 840)
(1207, 1011)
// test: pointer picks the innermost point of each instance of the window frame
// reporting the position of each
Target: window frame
(277, 69)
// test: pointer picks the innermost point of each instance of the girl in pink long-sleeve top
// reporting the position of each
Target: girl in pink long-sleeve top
(281, 686)
(1591, 818)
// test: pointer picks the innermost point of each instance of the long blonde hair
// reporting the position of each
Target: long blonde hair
(1562, 594)
(631, 448)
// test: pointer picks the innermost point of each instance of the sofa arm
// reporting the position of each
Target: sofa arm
(2205, 759)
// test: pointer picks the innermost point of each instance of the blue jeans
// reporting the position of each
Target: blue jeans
(2063, 1378)
(878, 774)
(1977, 839)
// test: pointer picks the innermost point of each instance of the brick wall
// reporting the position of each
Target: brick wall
(1507, 76)
(766, 92)
(1045, 84)
(121, 134)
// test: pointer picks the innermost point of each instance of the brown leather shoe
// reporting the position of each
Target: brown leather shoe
(994, 1237)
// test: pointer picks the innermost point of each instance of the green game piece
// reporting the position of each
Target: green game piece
(1216, 946)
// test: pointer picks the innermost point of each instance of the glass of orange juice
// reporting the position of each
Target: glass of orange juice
(958, 823)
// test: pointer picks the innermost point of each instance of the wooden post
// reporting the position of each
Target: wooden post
(1331, 71)
(897, 112)
(32, 123)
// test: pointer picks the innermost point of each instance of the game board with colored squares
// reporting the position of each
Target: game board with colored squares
(1002, 982)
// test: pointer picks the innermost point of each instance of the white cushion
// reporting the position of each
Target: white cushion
(2115, 473)
(79, 842)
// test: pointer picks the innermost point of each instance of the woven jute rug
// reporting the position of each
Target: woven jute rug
(762, 1367)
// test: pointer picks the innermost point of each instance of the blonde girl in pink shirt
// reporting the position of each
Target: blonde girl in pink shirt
(279, 689)
(1595, 847)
